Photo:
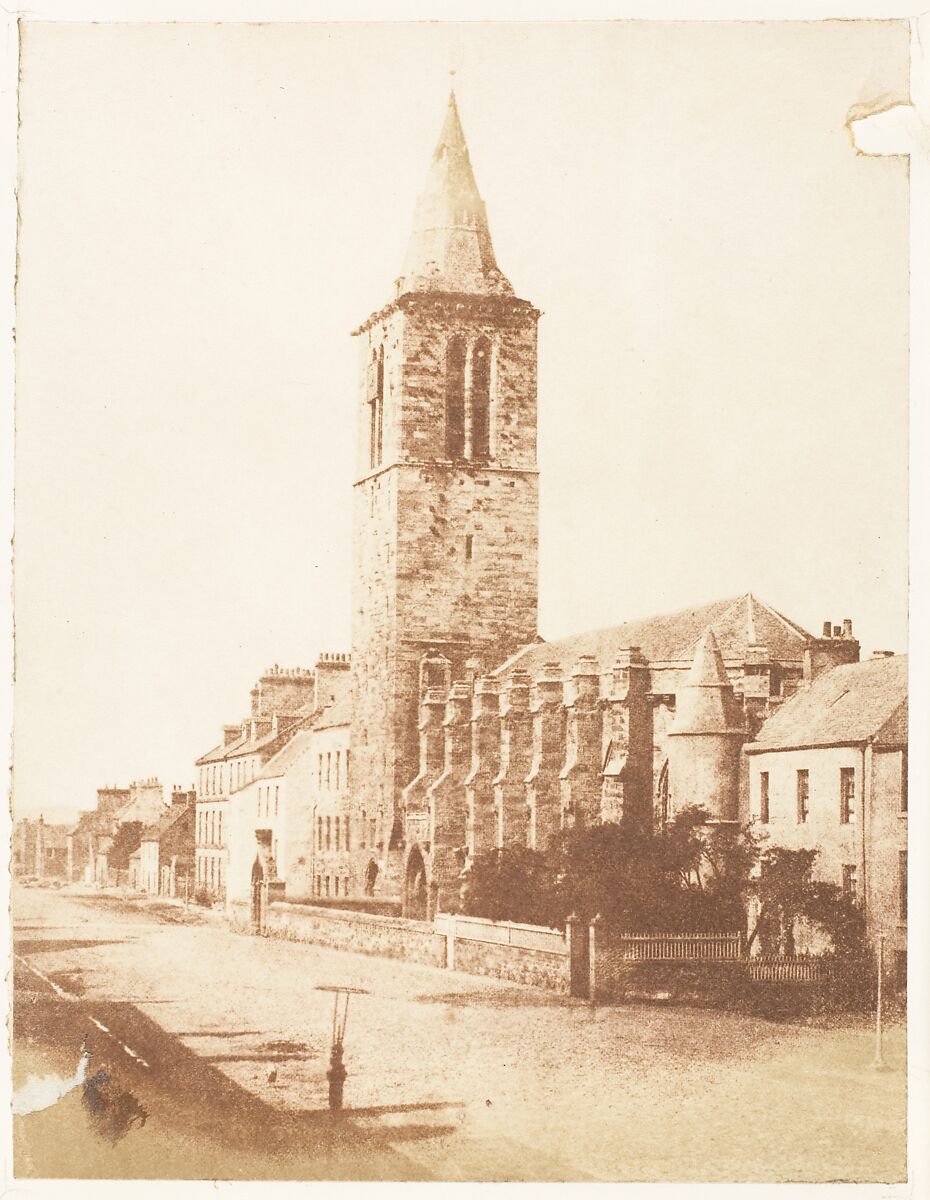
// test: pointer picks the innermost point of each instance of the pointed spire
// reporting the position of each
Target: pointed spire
(450, 247)
(706, 702)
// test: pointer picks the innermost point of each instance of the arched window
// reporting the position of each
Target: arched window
(455, 398)
(379, 394)
(481, 399)
(376, 406)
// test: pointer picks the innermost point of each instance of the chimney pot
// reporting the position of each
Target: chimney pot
(837, 631)
(847, 628)
(826, 629)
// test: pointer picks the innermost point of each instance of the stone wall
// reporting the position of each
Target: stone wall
(519, 953)
(536, 968)
(361, 933)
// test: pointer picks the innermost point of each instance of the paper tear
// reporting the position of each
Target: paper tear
(888, 126)
(42, 1091)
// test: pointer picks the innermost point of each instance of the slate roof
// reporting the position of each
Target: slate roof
(276, 766)
(737, 622)
(849, 705)
(337, 713)
(145, 807)
(245, 745)
(157, 830)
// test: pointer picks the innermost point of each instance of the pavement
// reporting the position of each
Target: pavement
(222, 1040)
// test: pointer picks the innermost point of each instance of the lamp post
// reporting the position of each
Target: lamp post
(878, 1062)
(336, 1075)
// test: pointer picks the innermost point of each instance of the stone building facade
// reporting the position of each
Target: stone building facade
(284, 702)
(829, 773)
(465, 730)
(468, 731)
(445, 500)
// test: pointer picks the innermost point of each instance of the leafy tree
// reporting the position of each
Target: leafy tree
(126, 841)
(787, 893)
(514, 884)
(690, 876)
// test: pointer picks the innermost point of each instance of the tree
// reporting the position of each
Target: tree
(513, 884)
(126, 841)
(786, 893)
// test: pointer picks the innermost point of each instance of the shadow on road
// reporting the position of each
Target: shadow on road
(201, 1124)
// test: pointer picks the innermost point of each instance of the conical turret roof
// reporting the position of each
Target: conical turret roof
(706, 703)
(450, 247)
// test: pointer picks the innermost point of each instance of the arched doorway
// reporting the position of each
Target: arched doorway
(415, 904)
(259, 896)
(371, 876)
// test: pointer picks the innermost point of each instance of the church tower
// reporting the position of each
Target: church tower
(446, 497)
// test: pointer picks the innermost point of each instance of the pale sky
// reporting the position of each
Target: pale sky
(207, 211)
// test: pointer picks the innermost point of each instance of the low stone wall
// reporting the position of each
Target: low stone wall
(362, 933)
(527, 954)
(518, 953)
(537, 968)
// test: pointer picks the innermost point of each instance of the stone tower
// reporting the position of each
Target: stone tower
(446, 501)
(706, 737)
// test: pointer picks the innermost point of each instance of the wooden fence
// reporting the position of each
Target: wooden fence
(664, 946)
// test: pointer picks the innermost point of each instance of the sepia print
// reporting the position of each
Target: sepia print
(461, 603)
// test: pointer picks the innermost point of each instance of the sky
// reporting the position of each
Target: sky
(207, 211)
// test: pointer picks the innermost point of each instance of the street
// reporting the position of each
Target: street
(223, 1040)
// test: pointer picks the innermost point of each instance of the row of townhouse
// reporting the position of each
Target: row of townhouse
(278, 775)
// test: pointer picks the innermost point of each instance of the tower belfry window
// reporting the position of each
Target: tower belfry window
(376, 406)
(481, 399)
(455, 398)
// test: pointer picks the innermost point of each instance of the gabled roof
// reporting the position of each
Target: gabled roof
(157, 830)
(738, 623)
(146, 807)
(278, 765)
(246, 745)
(335, 714)
(849, 705)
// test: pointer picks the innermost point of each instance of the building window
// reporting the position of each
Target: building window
(327, 885)
(376, 406)
(469, 541)
(904, 781)
(902, 884)
(455, 398)
(319, 885)
(337, 832)
(803, 796)
(345, 827)
(338, 764)
(849, 881)
(336, 886)
(319, 833)
(481, 399)
(219, 828)
(347, 768)
(328, 833)
(847, 794)
(328, 768)
(764, 797)
(363, 828)
(258, 807)
(276, 799)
